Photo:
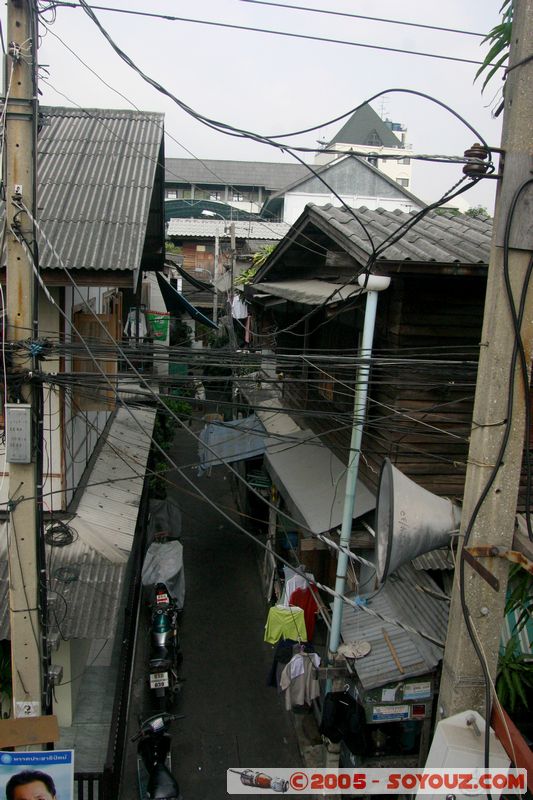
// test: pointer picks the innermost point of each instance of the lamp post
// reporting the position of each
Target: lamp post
(207, 213)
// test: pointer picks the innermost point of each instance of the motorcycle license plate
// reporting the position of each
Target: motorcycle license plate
(158, 680)
(162, 599)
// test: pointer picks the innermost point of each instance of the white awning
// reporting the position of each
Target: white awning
(310, 292)
(312, 481)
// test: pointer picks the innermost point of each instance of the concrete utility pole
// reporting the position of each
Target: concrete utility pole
(462, 685)
(20, 85)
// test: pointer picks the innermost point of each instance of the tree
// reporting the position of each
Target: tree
(477, 211)
(500, 40)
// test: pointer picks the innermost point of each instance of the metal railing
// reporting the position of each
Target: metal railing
(88, 786)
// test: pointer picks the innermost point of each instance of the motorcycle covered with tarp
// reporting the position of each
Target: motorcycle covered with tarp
(163, 580)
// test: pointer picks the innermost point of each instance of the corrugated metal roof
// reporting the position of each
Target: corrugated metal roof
(398, 599)
(86, 577)
(435, 559)
(96, 171)
(444, 238)
(269, 175)
(209, 228)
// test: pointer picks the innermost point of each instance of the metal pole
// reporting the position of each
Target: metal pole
(215, 277)
(27, 615)
(374, 284)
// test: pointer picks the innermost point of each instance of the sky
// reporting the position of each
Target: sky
(272, 84)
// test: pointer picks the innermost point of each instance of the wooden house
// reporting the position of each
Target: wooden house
(307, 306)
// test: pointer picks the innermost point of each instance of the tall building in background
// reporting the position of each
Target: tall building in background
(369, 136)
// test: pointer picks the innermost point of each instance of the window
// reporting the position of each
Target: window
(215, 195)
(373, 160)
(237, 197)
(406, 160)
(373, 139)
(403, 182)
(172, 194)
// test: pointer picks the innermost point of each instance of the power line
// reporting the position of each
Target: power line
(360, 16)
(287, 34)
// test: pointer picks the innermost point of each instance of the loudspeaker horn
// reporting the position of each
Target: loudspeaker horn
(409, 520)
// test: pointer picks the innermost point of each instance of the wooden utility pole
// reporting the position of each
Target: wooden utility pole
(463, 684)
(25, 618)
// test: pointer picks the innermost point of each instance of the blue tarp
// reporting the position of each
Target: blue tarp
(176, 303)
(231, 441)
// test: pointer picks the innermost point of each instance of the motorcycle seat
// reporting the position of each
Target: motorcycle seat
(159, 664)
(162, 785)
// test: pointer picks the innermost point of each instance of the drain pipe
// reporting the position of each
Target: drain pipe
(373, 285)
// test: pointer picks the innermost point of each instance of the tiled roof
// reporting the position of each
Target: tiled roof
(96, 171)
(269, 175)
(442, 238)
(209, 228)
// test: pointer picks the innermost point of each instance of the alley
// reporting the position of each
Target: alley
(232, 718)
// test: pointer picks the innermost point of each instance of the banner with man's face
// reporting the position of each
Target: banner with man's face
(37, 775)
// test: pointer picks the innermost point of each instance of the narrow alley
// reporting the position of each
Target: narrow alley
(232, 718)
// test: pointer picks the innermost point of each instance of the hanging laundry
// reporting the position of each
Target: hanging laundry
(294, 580)
(343, 718)
(288, 623)
(284, 651)
(304, 598)
(239, 309)
(136, 326)
(299, 680)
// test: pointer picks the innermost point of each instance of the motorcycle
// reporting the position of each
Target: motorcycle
(165, 653)
(155, 778)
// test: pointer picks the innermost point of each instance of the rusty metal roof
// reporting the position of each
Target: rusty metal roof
(402, 599)
(96, 173)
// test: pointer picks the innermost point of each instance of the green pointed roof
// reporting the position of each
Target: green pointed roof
(367, 128)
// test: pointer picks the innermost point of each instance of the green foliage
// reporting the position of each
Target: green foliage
(500, 39)
(515, 677)
(477, 211)
(170, 247)
(258, 259)
(158, 484)
(515, 669)
(520, 595)
(246, 277)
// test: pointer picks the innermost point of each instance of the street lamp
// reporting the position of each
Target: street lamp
(207, 213)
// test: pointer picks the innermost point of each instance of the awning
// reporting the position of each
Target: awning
(236, 440)
(196, 282)
(312, 481)
(309, 292)
(176, 303)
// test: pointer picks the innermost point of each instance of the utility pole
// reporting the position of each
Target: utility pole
(215, 278)
(25, 581)
(462, 685)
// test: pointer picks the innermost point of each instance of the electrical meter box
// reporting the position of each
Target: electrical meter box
(18, 433)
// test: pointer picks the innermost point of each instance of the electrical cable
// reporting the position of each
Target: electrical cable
(307, 37)
(360, 16)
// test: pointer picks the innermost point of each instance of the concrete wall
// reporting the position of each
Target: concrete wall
(72, 656)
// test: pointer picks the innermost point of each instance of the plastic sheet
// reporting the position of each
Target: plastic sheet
(163, 563)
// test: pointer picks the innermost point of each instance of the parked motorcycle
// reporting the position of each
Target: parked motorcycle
(154, 766)
(165, 653)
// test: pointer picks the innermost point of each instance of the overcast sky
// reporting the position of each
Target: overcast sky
(273, 84)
